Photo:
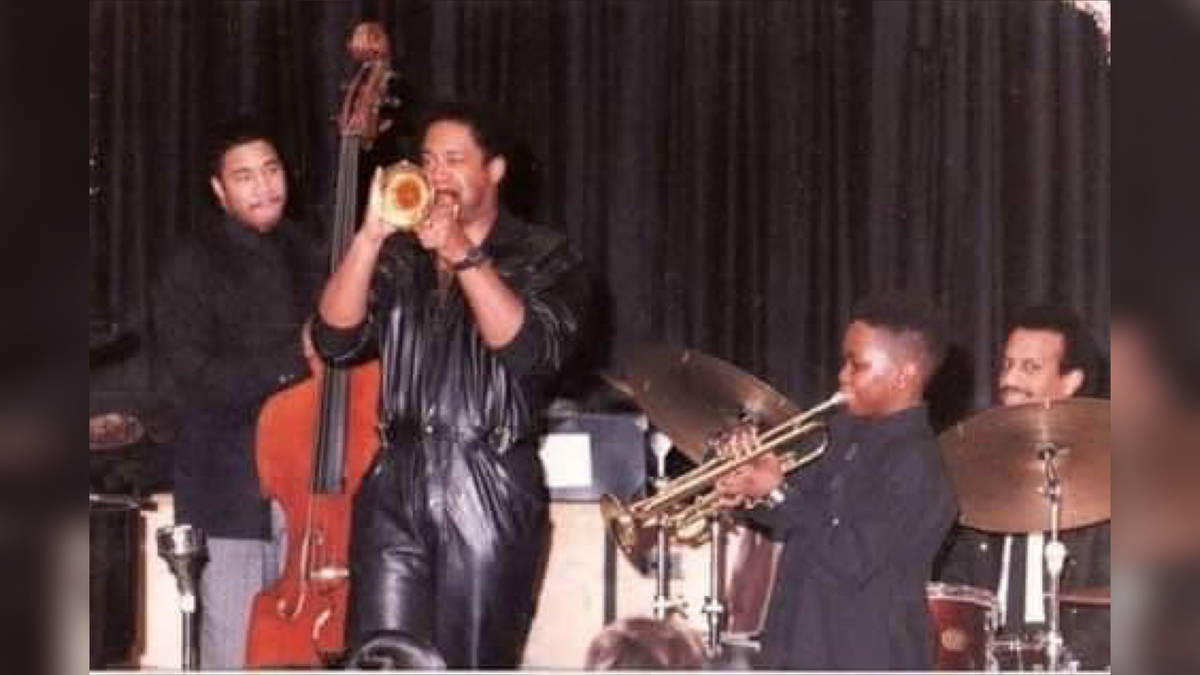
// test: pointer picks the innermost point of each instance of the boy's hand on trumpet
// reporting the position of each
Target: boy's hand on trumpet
(754, 479)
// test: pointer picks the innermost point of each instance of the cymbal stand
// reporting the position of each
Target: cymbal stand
(713, 609)
(660, 444)
(1055, 554)
(184, 549)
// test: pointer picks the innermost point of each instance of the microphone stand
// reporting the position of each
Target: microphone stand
(183, 547)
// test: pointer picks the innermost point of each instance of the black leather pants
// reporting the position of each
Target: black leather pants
(446, 542)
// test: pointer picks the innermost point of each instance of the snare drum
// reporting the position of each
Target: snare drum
(963, 620)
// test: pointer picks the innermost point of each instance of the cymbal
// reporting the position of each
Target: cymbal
(1087, 596)
(993, 460)
(691, 396)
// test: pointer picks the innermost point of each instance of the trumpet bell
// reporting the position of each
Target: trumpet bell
(626, 531)
(407, 196)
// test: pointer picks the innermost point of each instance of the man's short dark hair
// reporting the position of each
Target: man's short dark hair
(234, 132)
(486, 125)
(1079, 349)
(906, 316)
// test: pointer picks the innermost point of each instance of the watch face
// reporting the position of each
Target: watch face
(475, 256)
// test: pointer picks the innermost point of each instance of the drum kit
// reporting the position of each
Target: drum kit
(1037, 467)
(1032, 468)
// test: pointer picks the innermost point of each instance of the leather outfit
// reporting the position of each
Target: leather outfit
(451, 519)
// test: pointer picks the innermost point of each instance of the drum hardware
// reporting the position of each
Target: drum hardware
(1099, 596)
(1055, 552)
(184, 549)
(1019, 654)
(713, 610)
(660, 445)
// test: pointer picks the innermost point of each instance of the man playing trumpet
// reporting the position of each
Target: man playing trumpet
(860, 526)
(472, 317)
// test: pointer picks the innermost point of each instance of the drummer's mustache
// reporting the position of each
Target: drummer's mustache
(1015, 390)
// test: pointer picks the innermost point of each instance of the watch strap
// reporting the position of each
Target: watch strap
(474, 258)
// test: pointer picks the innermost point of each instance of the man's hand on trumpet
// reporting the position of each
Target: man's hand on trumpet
(442, 232)
(753, 480)
(374, 227)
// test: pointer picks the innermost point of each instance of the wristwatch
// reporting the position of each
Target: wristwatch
(474, 258)
(776, 497)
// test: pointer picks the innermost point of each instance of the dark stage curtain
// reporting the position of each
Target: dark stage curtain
(736, 172)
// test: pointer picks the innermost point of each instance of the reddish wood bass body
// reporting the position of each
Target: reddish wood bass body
(300, 619)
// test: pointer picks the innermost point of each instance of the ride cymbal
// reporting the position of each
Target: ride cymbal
(994, 460)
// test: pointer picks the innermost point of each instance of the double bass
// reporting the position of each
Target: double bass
(316, 439)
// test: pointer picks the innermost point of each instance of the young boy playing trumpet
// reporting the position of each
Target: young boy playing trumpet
(861, 525)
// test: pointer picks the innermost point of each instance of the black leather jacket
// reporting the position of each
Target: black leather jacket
(450, 521)
(437, 370)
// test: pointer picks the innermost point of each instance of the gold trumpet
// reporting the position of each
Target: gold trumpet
(632, 526)
(407, 196)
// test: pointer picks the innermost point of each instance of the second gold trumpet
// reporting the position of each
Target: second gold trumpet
(632, 525)
(406, 197)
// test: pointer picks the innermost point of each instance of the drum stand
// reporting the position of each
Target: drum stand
(183, 548)
(663, 604)
(1056, 554)
(713, 609)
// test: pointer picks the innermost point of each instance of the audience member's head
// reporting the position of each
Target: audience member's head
(645, 644)
(395, 650)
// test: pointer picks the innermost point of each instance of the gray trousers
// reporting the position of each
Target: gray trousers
(237, 569)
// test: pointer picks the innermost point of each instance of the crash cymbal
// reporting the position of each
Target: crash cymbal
(1087, 596)
(993, 460)
(691, 396)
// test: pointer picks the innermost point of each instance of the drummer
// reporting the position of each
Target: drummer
(1048, 355)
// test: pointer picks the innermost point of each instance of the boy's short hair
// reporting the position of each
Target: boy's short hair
(908, 317)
